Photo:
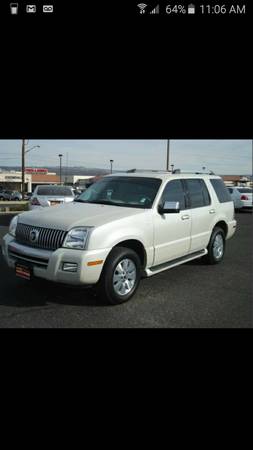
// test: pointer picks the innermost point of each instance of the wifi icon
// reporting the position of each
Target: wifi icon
(142, 7)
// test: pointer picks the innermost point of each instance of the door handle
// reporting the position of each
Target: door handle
(185, 217)
(212, 211)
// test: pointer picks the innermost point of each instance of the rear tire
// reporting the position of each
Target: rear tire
(120, 276)
(216, 247)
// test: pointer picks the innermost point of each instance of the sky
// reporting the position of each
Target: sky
(220, 156)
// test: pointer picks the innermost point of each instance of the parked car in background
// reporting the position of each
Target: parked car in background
(10, 195)
(51, 195)
(241, 196)
(28, 195)
(77, 191)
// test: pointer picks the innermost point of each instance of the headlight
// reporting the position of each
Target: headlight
(76, 238)
(13, 226)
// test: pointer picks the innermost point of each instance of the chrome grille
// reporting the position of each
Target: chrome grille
(48, 238)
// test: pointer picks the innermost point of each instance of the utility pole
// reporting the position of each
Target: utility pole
(168, 155)
(60, 156)
(24, 151)
(66, 169)
(23, 169)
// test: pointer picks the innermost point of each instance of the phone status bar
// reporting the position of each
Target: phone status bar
(143, 10)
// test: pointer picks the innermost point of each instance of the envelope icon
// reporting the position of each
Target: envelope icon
(30, 8)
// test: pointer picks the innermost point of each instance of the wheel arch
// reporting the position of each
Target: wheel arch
(222, 224)
(137, 246)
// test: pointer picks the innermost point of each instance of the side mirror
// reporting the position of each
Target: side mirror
(169, 207)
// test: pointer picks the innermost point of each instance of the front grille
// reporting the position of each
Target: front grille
(47, 238)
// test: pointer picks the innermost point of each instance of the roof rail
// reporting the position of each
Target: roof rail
(175, 171)
(194, 173)
(147, 170)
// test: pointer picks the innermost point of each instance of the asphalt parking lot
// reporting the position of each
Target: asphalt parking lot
(192, 295)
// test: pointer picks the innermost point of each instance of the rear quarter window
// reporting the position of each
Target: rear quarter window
(220, 190)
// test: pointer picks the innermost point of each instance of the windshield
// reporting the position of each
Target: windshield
(55, 190)
(122, 191)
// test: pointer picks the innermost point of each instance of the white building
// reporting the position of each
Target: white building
(77, 179)
(13, 180)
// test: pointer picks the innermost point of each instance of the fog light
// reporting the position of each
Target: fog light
(69, 267)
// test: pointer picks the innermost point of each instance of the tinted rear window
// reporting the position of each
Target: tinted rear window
(221, 190)
(198, 193)
(55, 190)
(245, 191)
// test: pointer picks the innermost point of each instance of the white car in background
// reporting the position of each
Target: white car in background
(51, 195)
(241, 196)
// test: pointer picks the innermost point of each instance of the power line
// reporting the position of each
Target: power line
(9, 153)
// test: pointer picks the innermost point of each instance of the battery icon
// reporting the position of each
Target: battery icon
(191, 9)
(14, 8)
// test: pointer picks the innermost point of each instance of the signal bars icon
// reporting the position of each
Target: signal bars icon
(142, 7)
(155, 10)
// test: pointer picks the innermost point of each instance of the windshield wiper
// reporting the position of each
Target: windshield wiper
(98, 202)
(106, 202)
(101, 202)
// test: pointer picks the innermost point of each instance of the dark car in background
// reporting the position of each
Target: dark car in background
(10, 195)
(28, 195)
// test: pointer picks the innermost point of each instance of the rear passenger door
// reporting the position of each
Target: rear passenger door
(172, 231)
(201, 208)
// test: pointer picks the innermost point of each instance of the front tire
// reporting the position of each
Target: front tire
(216, 247)
(120, 276)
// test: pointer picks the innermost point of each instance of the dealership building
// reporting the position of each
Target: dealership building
(237, 180)
(12, 180)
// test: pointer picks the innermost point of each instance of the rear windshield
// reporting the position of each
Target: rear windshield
(245, 191)
(221, 190)
(55, 190)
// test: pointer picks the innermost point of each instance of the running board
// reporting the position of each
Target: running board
(175, 262)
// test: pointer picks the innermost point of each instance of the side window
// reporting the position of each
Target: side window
(205, 193)
(198, 193)
(220, 190)
(230, 190)
(174, 192)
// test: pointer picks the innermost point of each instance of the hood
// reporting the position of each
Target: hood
(64, 217)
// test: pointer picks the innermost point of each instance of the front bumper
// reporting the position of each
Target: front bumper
(49, 264)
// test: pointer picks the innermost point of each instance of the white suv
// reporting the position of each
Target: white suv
(121, 228)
